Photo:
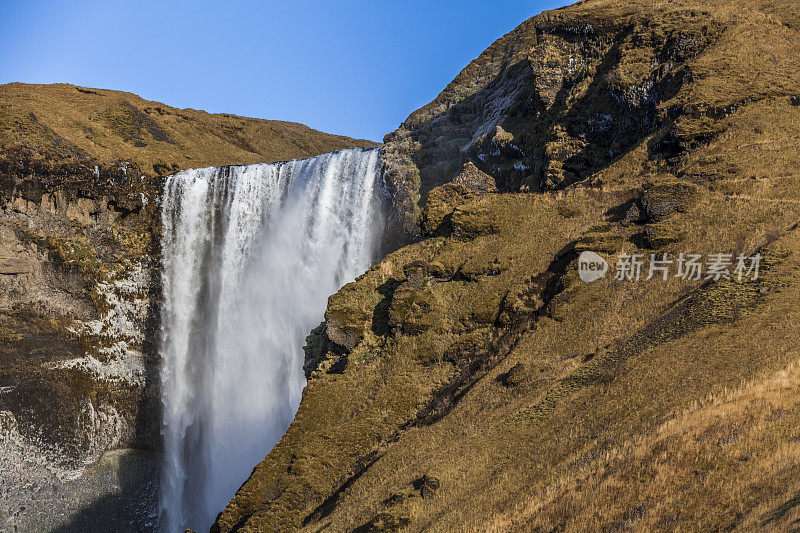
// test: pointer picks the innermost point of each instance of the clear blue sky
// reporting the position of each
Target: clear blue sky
(353, 67)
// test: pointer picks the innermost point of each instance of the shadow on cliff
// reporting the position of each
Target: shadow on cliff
(584, 133)
(130, 477)
(149, 415)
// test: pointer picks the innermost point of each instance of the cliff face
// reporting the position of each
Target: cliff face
(81, 173)
(471, 380)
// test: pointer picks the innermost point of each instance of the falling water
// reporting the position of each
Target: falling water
(251, 254)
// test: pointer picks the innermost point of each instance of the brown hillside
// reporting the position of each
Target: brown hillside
(67, 124)
(471, 382)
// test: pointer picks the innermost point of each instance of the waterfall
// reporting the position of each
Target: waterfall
(250, 256)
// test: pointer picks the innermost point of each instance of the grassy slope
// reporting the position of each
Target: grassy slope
(654, 405)
(65, 123)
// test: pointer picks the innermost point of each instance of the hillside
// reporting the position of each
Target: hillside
(81, 176)
(472, 381)
(65, 124)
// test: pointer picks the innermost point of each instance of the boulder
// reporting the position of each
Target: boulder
(514, 376)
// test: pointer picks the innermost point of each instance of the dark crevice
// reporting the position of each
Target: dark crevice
(545, 286)
(327, 506)
(380, 316)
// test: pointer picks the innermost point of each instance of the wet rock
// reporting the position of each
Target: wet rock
(402, 179)
(127, 204)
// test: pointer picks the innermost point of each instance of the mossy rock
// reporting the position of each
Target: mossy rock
(474, 270)
(420, 273)
(412, 309)
(607, 238)
(435, 217)
(661, 201)
(348, 316)
(656, 236)
(469, 185)
(472, 221)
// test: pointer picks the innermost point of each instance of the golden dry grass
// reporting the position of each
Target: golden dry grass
(64, 123)
(660, 405)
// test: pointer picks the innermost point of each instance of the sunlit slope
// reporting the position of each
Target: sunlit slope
(471, 380)
(67, 124)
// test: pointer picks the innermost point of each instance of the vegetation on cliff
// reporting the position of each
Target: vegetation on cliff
(60, 124)
(471, 381)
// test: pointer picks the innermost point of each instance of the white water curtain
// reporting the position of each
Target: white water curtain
(250, 256)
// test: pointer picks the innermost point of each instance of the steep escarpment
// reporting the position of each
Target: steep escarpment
(471, 380)
(80, 187)
(572, 90)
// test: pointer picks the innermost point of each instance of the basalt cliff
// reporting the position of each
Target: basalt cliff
(471, 381)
